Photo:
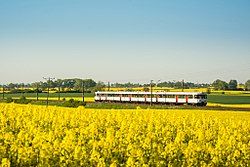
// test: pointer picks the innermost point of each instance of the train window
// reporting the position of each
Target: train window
(160, 96)
(181, 96)
(149, 96)
(190, 96)
(204, 96)
(170, 96)
(134, 95)
(200, 96)
(197, 97)
(140, 95)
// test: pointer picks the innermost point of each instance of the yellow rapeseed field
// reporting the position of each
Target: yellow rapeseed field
(56, 136)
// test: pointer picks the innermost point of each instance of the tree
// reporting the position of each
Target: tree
(146, 89)
(88, 83)
(220, 85)
(12, 86)
(232, 85)
(78, 84)
(99, 86)
(247, 85)
(208, 90)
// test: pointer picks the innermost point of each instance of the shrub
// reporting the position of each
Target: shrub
(9, 100)
(208, 90)
(22, 100)
(73, 103)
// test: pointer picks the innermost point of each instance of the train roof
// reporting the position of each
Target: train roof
(157, 93)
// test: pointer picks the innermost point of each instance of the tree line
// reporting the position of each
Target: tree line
(76, 85)
(231, 85)
(63, 85)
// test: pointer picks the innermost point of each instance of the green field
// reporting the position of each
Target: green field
(229, 99)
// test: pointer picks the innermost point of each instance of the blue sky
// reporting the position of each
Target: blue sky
(125, 41)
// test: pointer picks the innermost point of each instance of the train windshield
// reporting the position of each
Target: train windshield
(200, 96)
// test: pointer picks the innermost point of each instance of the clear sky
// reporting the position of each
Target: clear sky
(125, 40)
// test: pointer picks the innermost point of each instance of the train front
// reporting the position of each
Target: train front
(201, 99)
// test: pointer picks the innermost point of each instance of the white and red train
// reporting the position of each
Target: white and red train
(190, 98)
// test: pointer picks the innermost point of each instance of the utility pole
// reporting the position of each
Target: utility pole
(59, 91)
(3, 92)
(22, 89)
(108, 86)
(48, 82)
(82, 91)
(151, 92)
(157, 83)
(37, 92)
(182, 85)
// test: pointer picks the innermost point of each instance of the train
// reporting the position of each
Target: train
(172, 98)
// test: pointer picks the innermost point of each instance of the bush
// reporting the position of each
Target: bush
(208, 90)
(9, 100)
(14, 91)
(73, 103)
(22, 100)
